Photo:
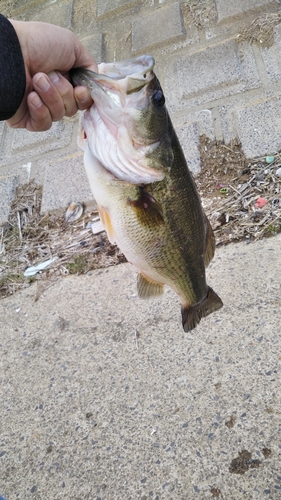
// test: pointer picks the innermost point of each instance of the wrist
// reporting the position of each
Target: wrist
(22, 34)
(21, 29)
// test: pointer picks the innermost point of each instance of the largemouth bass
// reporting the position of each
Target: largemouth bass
(146, 195)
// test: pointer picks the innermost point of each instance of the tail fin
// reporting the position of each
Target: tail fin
(191, 316)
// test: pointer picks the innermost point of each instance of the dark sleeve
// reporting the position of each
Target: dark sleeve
(12, 70)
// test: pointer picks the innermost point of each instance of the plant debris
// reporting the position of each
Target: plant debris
(29, 239)
(230, 187)
(261, 30)
(199, 13)
(233, 192)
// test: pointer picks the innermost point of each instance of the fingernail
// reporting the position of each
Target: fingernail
(36, 102)
(43, 83)
(54, 77)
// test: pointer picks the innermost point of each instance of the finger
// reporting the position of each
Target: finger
(39, 115)
(65, 90)
(83, 58)
(49, 95)
(83, 97)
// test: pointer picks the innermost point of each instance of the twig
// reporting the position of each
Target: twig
(19, 226)
(269, 224)
(2, 245)
(234, 189)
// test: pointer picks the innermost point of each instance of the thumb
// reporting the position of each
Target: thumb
(83, 58)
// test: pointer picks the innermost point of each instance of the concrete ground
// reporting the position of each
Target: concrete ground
(104, 397)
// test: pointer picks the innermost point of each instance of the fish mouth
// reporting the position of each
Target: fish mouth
(127, 76)
(120, 92)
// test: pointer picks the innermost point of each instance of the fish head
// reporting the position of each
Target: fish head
(129, 118)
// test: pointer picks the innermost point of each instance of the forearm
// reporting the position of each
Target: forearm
(12, 70)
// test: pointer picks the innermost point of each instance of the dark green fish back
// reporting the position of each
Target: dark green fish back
(185, 226)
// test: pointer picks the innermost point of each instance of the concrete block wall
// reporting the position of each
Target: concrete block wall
(214, 84)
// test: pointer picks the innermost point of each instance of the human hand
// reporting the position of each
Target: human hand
(49, 52)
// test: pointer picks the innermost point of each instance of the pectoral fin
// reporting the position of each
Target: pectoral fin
(192, 315)
(148, 288)
(148, 210)
(107, 223)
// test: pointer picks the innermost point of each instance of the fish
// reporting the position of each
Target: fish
(146, 195)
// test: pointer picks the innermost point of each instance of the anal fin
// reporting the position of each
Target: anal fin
(148, 288)
(192, 315)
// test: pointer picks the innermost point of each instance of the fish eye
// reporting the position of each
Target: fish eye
(158, 98)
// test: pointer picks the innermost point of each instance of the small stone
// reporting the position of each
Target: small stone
(230, 423)
(260, 177)
(278, 172)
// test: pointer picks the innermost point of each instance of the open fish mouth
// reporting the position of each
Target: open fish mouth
(121, 96)
(126, 76)
(137, 66)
